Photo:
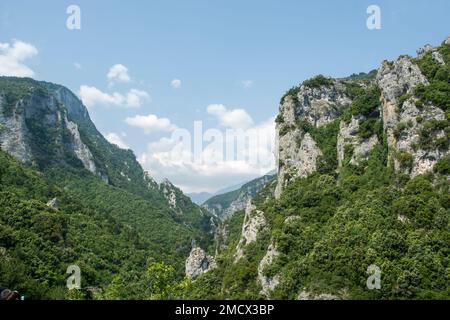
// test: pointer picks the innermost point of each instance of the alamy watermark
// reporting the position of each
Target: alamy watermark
(74, 280)
(254, 146)
(73, 21)
(374, 20)
(374, 279)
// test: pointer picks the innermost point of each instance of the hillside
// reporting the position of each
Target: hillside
(47, 128)
(363, 182)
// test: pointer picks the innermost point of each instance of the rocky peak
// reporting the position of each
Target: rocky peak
(170, 193)
(398, 78)
(36, 126)
(405, 117)
(317, 102)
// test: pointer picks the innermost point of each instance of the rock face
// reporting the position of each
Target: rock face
(225, 205)
(39, 115)
(297, 151)
(198, 263)
(317, 103)
(254, 222)
(13, 134)
(403, 120)
(348, 136)
(169, 192)
(268, 284)
(79, 148)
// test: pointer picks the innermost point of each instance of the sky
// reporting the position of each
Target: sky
(151, 71)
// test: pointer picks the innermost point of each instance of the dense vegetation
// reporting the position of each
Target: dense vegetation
(331, 226)
(38, 243)
(364, 215)
(115, 224)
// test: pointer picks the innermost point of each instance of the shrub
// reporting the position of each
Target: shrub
(318, 81)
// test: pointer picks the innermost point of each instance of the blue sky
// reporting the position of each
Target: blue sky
(240, 54)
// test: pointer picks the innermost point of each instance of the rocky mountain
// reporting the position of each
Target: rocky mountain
(225, 205)
(363, 183)
(48, 129)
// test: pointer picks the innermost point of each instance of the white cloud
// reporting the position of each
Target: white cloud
(114, 138)
(92, 96)
(247, 84)
(236, 118)
(175, 83)
(135, 98)
(118, 73)
(172, 158)
(13, 56)
(77, 65)
(151, 123)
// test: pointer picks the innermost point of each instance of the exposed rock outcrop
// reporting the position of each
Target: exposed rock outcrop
(54, 203)
(79, 148)
(268, 284)
(348, 136)
(254, 222)
(39, 115)
(198, 263)
(13, 133)
(297, 150)
(169, 192)
(403, 120)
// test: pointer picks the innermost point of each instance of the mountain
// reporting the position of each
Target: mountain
(47, 128)
(225, 205)
(200, 197)
(362, 193)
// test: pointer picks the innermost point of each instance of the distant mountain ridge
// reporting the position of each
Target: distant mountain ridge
(226, 204)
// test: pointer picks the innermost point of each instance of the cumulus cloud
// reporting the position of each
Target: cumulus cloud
(114, 138)
(134, 98)
(151, 123)
(175, 83)
(236, 118)
(212, 167)
(13, 56)
(118, 73)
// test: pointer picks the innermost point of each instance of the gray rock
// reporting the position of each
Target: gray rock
(396, 79)
(297, 151)
(268, 284)
(254, 222)
(422, 51)
(438, 57)
(198, 263)
(54, 204)
(79, 148)
(14, 132)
